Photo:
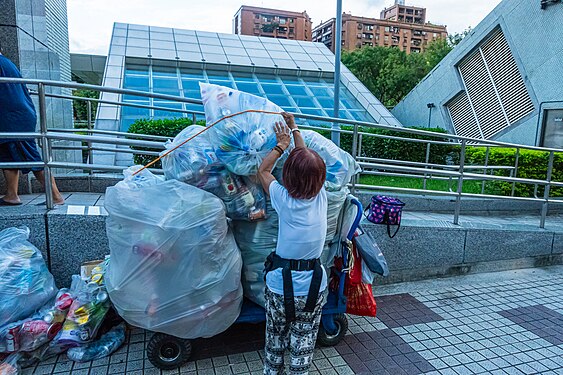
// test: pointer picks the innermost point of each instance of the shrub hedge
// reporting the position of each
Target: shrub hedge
(165, 128)
(531, 165)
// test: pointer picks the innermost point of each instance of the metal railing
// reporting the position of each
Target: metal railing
(455, 174)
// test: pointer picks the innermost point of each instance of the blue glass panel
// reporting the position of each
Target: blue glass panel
(290, 109)
(292, 80)
(280, 100)
(192, 94)
(217, 74)
(129, 112)
(222, 83)
(326, 102)
(136, 82)
(304, 101)
(135, 98)
(359, 115)
(312, 111)
(243, 77)
(251, 88)
(168, 114)
(296, 90)
(126, 123)
(165, 83)
(163, 72)
(320, 91)
(191, 84)
(272, 89)
(137, 69)
(194, 107)
(192, 73)
(263, 78)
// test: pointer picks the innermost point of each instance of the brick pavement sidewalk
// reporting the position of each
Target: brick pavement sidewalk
(497, 323)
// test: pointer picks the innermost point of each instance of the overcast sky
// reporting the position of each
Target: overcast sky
(91, 21)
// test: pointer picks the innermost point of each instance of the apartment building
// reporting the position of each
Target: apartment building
(273, 23)
(403, 27)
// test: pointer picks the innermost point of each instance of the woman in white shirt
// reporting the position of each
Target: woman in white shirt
(295, 279)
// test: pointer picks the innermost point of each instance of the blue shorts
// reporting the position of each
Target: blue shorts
(20, 151)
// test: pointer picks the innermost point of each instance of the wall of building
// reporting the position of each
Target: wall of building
(534, 37)
(36, 39)
(358, 32)
(250, 21)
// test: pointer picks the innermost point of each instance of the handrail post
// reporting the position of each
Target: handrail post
(194, 119)
(460, 183)
(354, 153)
(546, 190)
(485, 169)
(89, 143)
(426, 166)
(515, 170)
(45, 149)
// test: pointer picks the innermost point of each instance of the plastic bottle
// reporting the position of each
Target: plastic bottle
(101, 348)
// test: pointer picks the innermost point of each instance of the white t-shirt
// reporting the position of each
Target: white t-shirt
(301, 235)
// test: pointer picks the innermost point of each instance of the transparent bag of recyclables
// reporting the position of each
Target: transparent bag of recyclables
(25, 281)
(241, 142)
(196, 163)
(340, 165)
(175, 267)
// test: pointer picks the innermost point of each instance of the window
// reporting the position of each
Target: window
(495, 90)
(386, 29)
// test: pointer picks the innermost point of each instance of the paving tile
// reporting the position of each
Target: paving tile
(539, 320)
(402, 310)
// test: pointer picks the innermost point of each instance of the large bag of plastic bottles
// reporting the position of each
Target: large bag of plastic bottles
(25, 282)
(340, 165)
(241, 142)
(196, 163)
(175, 266)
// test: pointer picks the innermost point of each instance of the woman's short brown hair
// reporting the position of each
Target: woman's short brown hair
(304, 173)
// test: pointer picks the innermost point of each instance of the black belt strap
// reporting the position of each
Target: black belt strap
(287, 265)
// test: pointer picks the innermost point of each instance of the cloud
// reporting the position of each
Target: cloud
(91, 21)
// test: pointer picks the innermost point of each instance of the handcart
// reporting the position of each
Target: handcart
(169, 352)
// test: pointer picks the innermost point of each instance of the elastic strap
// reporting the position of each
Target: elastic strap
(314, 288)
(389, 226)
(288, 296)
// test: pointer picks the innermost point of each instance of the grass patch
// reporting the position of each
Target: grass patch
(473, 187)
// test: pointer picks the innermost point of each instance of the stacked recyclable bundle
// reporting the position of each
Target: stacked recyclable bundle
(232, 150)
(175, 266)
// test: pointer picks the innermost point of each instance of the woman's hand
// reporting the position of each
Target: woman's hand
(282, 135)
(289, 120)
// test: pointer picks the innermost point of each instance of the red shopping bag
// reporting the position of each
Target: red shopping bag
(359, 295)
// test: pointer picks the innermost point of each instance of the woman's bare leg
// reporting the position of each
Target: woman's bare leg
(57, 197)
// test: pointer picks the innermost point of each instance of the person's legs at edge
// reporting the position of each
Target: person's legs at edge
(303, 336)
(57, 197)
(277, 335)
(12, 181)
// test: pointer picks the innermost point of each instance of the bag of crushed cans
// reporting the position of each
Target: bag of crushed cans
(175, 266)
(25, 281)
(196, 163)
(240, 142)
(88, 310)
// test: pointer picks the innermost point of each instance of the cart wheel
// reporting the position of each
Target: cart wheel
(326, 339)
(168, 352)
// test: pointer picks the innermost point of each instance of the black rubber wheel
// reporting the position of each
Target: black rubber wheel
(168, 352)
(325, 339)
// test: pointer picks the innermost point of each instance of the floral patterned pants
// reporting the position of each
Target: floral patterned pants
(299, 336)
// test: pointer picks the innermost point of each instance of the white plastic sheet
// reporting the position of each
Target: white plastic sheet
(241, 142)
(196, 163)
(175, 266)
(340, 165)
(25, 282)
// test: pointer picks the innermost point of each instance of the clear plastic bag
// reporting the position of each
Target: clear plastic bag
(175, 266)
(31, 333)
(25, 281)
(101, 348)
(243, 141)
(10, 365)
(195, 163)
(340, 165)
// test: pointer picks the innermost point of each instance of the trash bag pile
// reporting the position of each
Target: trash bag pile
(232, 150)
(175, 266)
(38, 320)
